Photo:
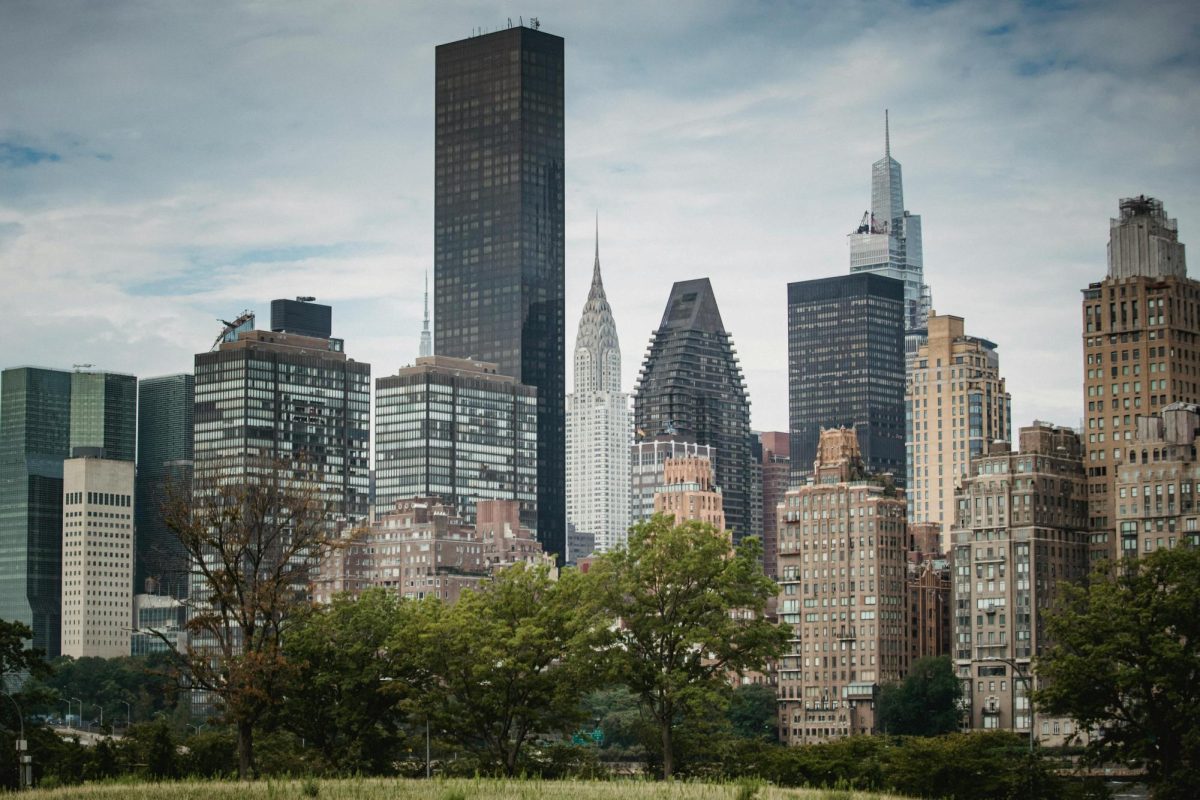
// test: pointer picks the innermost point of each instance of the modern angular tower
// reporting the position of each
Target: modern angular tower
(599, 428)
(165, 461)
(888, 242)
(846, 368)
(691, 387)
(499, 229)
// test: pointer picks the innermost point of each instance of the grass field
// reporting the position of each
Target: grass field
(466, 789)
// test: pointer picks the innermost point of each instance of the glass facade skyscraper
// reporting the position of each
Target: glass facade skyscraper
(888, 243)
(499, 218)
(846, 368)
(691, 388)
(457, 430)
(165, 461)
(44, 415)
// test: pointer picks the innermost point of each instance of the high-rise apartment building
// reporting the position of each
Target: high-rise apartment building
(956, 405)
(1157, 492)
(457, 430)
(166, 414)
(691, 388)
(599, 428)
(97, 556)
(647, 460)
(846, 368)
(842, 558)
(776, 475)
(1140, 341)
(271, 399)
(499, 224)
(888, 242)
(44, 416)
(1020, 532)
(688, 493)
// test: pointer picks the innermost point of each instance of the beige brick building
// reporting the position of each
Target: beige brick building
(842, 571)
(956, 404)
(1141, 349)
(688, 492)
(1020, 532)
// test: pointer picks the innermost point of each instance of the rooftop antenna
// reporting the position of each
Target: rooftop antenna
(535, 22)
(887, 136)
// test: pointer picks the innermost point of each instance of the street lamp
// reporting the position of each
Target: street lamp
(97, 705)
(24, 762)
(128, 715)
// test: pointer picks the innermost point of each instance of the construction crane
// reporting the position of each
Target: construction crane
(230, 327)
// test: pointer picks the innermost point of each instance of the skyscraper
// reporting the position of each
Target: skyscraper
(956, 406)
(45, 415)
(888, 242)
(499, 230)
(598, 427)
(846, 367)
(691, 387)
(166, 413)
(776, 473)
(456, 430)
(1140, 342)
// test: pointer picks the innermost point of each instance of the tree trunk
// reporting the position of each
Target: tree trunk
(667, 754)
(245, 746)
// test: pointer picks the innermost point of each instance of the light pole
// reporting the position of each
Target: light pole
(24, 761)
(128, 715)
(97, 705)
(1025, 679)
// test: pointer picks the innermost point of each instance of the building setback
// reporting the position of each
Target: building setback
(842, 572)
(97, 559)
(44, 415)
(846, 368)
(956, 405)
(1158, 483)
(1020, 532)
(499, 225)
(647, 470)
(457, 430)
(691, 388)
(166, 413)
(688, 493)
(599, 430)
(1140, 341)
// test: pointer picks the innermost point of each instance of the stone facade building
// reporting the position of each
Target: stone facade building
(688, 493)
(1158, 483)
(842, 571)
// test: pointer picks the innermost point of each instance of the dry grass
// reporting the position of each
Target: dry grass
(466, 789)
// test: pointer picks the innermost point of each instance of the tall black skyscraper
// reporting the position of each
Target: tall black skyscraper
(498, 229)
(846, 367)
(691, 386)
(165, 431)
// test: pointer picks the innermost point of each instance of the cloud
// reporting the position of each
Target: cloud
(212, 158)
(15, 156)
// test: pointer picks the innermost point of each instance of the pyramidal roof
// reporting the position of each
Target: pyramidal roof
(693, 306)
(597, 335)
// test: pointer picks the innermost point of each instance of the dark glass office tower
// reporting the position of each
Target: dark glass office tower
(35, 435)
(846, 367)
(498, 230)
(691, 387)
(165, 430)
(302, 316)
(45, 415)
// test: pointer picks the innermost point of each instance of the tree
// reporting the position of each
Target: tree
(1125, 663)
(512, 660)
(15, 656)
(253, 540)
(754, 711)
(353, 661)
(691, 614)
(925, 703)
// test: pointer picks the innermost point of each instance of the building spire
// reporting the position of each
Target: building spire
(887, 136)
(596, 267)
(426, 337)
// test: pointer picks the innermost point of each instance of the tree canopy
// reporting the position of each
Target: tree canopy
(1126, 664)
(925, 703)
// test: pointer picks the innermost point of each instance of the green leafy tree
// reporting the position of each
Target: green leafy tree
(15, 655)
(754, 711)
(691, 615)
(1126, 664)
(354, 661)
(511, 660)
(925, 703)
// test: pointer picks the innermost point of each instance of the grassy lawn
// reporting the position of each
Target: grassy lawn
(465, 789)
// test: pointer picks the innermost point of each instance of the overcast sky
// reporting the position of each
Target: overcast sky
(163, 164)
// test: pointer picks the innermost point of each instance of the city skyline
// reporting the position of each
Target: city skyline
(137, 208)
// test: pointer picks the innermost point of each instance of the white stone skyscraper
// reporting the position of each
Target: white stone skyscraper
(599, 427)
(888, 242)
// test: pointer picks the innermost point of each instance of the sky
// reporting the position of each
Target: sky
(164, 165)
